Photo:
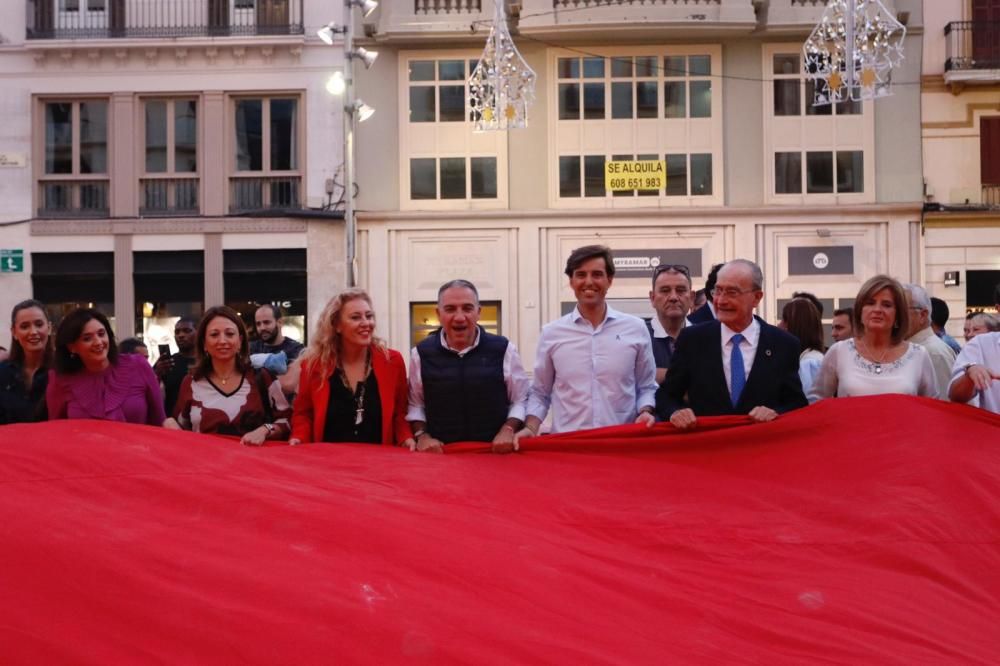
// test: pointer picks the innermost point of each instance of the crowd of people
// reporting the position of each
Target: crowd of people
(593, 367)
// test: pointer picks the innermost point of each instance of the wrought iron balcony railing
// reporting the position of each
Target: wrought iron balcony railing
(972, 45)
(248, 194)
(164, 197)
(108, 19)
(991, 195)
(563, 4)
(73, 198)
(447, 6)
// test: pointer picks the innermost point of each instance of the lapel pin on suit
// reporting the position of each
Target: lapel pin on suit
(767, 352)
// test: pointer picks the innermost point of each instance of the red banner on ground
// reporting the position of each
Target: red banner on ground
(855, 531)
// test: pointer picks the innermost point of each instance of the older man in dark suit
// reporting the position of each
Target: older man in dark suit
(735, 365)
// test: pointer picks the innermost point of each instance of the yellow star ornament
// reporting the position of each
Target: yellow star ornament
(835, 81)
(510, 112)
(868, 77)
(488, 114)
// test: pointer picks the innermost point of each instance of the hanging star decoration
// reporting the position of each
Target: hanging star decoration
(851, 53)
(502, 85)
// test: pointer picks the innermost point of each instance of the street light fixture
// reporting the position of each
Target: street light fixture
(355, 110)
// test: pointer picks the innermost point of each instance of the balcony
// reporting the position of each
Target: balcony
(973, 52)
(146, 19)
(635, 19)
(73, 198)
(991, 195)
(167, 197)
(254, 194)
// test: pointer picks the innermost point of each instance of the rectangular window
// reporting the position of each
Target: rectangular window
(850, 171)
(787, 100)
(788, 173)
(701, 175)
(569, 176)
(674, 99)
(483, 177)
(423, 178)
(593, 101)
(438, 91)
(593, 176)
(701, 99)
(569, 101)
(677, 175)
(621, 100)
(267, 155)
(819, 173)
(452, 177)
(74, 178)
(169, 184)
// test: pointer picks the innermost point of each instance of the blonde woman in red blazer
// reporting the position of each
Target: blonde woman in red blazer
(352, 387)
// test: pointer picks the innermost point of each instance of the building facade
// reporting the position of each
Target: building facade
(157, 158)
(823, 198)
(961, 142)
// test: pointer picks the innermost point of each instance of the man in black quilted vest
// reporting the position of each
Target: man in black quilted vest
(465, 384)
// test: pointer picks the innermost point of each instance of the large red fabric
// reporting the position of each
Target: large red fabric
(859, 530)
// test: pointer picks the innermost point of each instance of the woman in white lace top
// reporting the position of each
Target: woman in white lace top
(878, 360)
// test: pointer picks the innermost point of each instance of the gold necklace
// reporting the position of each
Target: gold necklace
(225, 380)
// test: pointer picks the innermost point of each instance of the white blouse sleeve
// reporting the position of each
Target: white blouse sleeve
(826, 382)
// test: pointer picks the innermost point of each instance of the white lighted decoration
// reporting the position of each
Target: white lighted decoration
(851, 53)
(502, 86)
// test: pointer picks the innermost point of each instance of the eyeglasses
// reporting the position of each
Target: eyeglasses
(680, 268)
(730, 292)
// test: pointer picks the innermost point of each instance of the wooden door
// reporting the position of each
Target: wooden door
(989, 150)
(986, 33)
(218, 17)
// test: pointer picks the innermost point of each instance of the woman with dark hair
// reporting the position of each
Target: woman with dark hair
(801, 318)
(91, 380)
(25, 373)
(352, 387)
(222, 394)
(878, 359)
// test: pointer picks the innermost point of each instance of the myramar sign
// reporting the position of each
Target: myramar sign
(11, 261)
(635, 175)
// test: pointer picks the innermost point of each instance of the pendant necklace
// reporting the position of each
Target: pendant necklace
(877, 364)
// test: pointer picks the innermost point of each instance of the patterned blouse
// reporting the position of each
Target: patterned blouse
(204, 407)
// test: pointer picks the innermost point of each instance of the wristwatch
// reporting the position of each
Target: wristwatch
(965, 368)
(270, 427)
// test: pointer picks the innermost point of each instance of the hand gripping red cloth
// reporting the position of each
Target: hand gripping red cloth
(855, 531)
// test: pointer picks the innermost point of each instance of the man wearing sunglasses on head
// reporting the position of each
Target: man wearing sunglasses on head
(736, 365)
(671, 298)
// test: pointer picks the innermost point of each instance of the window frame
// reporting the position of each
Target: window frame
(266, 173)
(170, 173)
(803, 134)
(76, 177)
(445, 139)
(657, 135)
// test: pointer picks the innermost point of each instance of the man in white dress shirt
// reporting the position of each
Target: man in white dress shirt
(976, 373)
(921, 333)
(594, 367)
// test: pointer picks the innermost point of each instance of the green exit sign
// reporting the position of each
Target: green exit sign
(11, 261)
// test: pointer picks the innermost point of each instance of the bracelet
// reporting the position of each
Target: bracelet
(508, 427)
(418, 434)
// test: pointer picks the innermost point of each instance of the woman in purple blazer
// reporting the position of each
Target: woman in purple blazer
(91, 380)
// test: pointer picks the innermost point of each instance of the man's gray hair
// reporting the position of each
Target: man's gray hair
(756, 275)
(918, 296)
(463, 284)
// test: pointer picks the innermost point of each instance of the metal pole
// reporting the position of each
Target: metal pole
(350, 227)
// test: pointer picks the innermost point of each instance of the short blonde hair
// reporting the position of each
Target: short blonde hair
(901, 326)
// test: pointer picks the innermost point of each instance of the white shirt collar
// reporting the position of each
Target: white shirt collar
(659, 331)
(751, 333)
(460, 352)
(609, 313)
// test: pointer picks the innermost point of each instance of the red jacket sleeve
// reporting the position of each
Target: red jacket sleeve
(400, 426)
(302, 407)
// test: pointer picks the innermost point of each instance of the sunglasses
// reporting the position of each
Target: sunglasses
(680, 268)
